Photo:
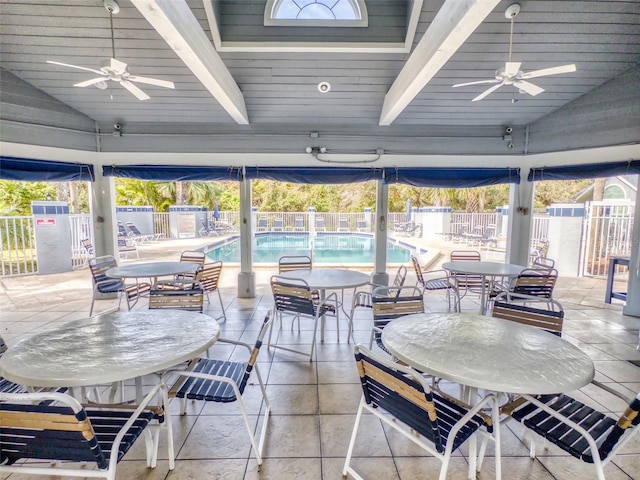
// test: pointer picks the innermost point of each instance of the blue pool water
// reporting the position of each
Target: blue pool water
(327, 248)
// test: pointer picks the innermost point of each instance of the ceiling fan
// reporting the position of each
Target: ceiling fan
(114, 69)
(511, 74)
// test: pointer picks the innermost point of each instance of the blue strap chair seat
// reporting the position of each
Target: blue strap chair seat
(59, 428)
(580, 430)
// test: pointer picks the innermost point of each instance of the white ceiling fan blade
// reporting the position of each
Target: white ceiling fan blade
(75, 66)
(487, 92)
(511, 68)
(479, 82)
(118, 66)
(549, 71)
(528, 87)
(93, 81)
(151, 81)
(135, 90)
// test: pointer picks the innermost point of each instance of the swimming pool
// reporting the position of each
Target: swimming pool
(327, 248)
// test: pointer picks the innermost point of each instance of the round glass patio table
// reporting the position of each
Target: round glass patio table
(485, 269)
(109, 348)
(152, 269)
(488, 353)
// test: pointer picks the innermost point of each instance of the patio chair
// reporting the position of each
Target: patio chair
(278, 225)
(287, 263)
(343, 224)
(208, 278)
(189, 299)
(580, 430)
(400, 397)
(537, 283)
(206, 230)
(363, 226)
(87, 251)
(298, 224)
(441, 282)
(541, 262)
(294, 297)
(137, 234)
(105, 285)
(466, 283)
(320, 225)
(549, 319)
(362, 299)
(125, 247)
(222, 381)
(262, 224)
(54, 427)
(183, 280)
(389, 303)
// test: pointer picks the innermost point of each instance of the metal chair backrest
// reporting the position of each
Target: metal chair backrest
(191, 300)
(418, 270)
(292, 295)
(401, 391)
(549, 319)
(99, 266)
(389, 303)
(288, 263)
(193, 257)
(401, 276)
(208, 276)
(536, 282)
(465, 256)
(278, 224)
(543, 263)
(320, 223)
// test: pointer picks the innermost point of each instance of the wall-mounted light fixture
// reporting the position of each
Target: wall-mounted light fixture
(316, 151)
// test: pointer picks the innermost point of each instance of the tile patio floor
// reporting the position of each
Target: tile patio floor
(314, 404)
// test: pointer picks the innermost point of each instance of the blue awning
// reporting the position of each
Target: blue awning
(173, 173)
(580, 172)
(316, 175)
(451, 177)
(32, 170)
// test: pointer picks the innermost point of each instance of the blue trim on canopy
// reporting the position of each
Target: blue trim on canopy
(451, 177)
(173, 173)
(33, 170)
(317, 175)
(580, 172)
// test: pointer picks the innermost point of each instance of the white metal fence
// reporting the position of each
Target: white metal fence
(18, 245)
(81, 229)
(606, 231)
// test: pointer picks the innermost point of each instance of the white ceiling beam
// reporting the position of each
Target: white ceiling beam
(453, 24)
(175, 22)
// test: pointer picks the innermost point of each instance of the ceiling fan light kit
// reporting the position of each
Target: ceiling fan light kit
(511, 74)
(114, 69)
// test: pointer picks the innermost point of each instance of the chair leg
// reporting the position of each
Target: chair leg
(347, 468)
(224, 314)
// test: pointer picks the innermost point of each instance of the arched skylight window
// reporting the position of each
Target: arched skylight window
(316, 13)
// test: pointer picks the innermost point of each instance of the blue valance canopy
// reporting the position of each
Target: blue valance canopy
(33, 170)
(317, 175)
(173, 173)
(580, 172)
(443, 177)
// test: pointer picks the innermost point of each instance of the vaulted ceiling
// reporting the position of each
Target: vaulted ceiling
(241, 86)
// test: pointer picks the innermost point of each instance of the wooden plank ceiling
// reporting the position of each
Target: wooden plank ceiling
(279, 88)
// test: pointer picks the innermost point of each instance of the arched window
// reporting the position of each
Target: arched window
(316, 13)
(613, 192)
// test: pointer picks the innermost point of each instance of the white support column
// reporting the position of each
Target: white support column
(380, 276)
(520, 215)
(632, 306)
(102, 202)
(246, 277)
